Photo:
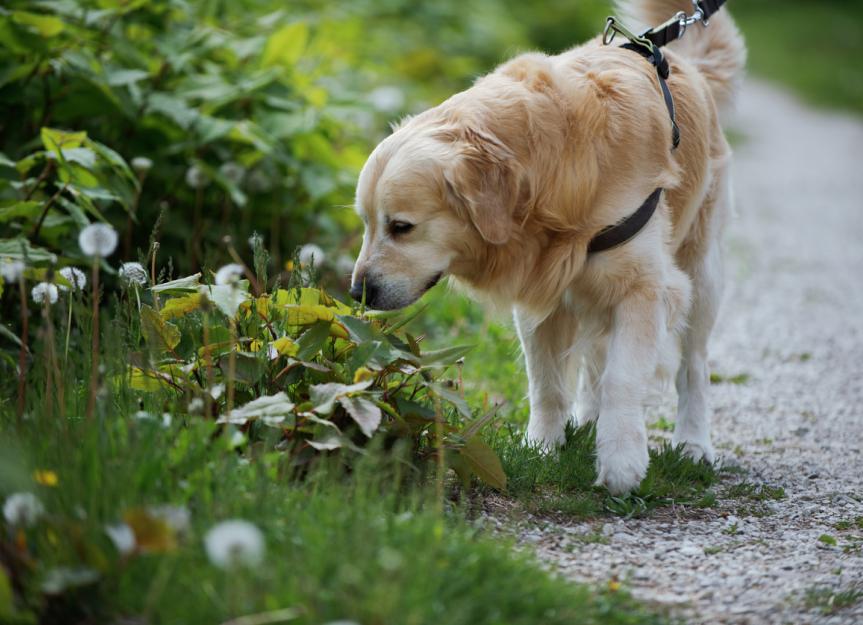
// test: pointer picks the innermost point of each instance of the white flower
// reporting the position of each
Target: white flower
(387, 99)
(196, 178)
(310, 253)
(11, 270)
(196, 405)
(256, 239)
(23, 509)
(233, 172)
(133, 273)
(229, 274)
(75, 277)
(217, 390)
(43, 291)
(98, 240)
(141, 164)
(234, 542)
(122, 536)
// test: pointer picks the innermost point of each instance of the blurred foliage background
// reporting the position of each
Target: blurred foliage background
(251, 116)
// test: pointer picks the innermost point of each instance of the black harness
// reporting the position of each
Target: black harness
(648, 45)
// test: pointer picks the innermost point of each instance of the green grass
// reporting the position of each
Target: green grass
(562, 482)
(812, 47)
(830, 601)
(368, 546)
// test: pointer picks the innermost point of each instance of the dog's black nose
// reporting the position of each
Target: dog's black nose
(371, 291)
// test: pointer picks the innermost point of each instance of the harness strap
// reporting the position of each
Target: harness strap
(623, 231)
(657, 59)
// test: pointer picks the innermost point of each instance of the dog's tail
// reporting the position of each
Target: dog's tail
(718, 50)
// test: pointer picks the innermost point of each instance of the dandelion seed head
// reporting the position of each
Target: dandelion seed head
(133, 273)
(22, 509)
(311, 253)
(11, 270)
(196, 178)
(142, 164)
(98, 240)
(229, 274)
(44, 292)
(234, 542)
(233, 172)
(75, 277)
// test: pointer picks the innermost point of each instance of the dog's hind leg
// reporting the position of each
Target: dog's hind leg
(692, 429)
(549, 362)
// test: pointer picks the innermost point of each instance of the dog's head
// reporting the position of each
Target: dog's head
(431, 197)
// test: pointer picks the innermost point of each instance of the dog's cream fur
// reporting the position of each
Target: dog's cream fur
(506, 183)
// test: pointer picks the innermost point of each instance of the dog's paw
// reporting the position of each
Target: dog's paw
(547, 434)
(696, 449)
(621, 468)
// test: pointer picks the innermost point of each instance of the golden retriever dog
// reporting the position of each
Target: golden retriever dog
(502, 187)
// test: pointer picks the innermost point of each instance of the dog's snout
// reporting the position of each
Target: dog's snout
(370, 288)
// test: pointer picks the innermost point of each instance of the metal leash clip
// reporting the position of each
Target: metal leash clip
(613, 26)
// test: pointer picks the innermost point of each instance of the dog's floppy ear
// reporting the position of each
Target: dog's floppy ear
(483, 181)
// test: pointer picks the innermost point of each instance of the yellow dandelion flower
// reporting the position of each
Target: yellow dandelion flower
(289, 265)
(613, 585)
(45, 477)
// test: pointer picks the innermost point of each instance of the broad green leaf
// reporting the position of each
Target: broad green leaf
(453, 398)
(446, 356)
(484, 462)
(181, 306)
(270, 409)
(248, 368)
(365, 413)
(324, 396)
(159, 333)
(286, 45)
(13, 209)
(56, 140)
(20, 249)
(149, 381)
(285, 346)
(46, 25)
(312, 340)
(6, 162)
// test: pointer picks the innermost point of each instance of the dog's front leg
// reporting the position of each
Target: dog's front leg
(547, 346)
(621, 436)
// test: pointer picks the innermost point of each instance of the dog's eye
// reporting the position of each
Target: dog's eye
(400, 227)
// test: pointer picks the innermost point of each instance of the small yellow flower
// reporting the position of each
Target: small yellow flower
(613, 585)
(45, 477)
(289, 265)
(255, 345)
(362, 374)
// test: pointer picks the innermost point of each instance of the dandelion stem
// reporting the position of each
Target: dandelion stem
(232, 367)
(208, 363)
(441, 466)
(22, 355)
(94, 362)
(68, 330)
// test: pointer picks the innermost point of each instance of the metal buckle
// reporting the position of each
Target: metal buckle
(613, 26)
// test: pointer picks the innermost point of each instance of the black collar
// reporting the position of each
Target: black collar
(623, 231)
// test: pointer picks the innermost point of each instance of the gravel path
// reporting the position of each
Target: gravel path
(792, 320)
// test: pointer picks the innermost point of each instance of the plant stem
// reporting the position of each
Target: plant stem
(94, 362)
(232, 368)
(441, 465)
(22, 355)
(68, 330)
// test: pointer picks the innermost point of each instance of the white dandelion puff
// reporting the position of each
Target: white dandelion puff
(234, 542)
(142, 164)
(123, 538)
(311, 253)
(44, 291)
(98, 240)
(133, 273)
(11, 270)
(75, 277)
(233, 172)
(229, 274)
(22, 509)
(196, 178)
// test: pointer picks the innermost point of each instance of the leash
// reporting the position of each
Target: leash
(648, 45)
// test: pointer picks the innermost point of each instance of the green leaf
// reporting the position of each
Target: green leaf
(453, 398)
(159, 333)
(46, 25)
(58, 140)
(248, 368)
(270, 409)
(20, 249)
(365, 413)
(312, 340)
(180, 285)
(446, 356)
(484, 463)
(324, 396)
(286, 45)
(12, 209)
